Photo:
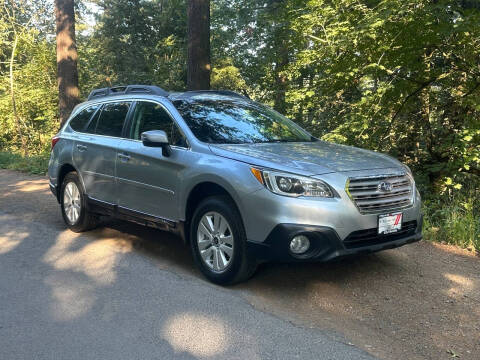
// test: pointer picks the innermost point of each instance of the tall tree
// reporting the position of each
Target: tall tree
(141, 41)
(67, 74)
(257, 36)
(198, 58)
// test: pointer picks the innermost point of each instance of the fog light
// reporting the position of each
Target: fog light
(299, 244)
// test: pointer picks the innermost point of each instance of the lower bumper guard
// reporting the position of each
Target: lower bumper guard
(325, 244)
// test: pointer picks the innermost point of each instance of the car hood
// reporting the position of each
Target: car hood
(312, 158)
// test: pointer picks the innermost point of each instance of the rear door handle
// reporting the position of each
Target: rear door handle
(81, 147)
(123, 157)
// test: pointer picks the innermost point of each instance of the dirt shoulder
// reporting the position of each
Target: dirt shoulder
(421, 301)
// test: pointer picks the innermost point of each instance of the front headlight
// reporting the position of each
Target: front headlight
(292, 185)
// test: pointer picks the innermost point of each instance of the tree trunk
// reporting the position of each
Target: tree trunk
(67, 74)
(280, 42)
(12, 95)
(281, 80)
(198, 57)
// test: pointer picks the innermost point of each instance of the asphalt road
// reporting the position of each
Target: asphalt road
(126, 292)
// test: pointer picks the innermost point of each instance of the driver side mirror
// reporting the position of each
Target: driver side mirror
(156, 138)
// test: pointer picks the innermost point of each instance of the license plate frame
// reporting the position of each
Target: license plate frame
(389, 223)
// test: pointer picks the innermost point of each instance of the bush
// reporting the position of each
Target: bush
(35, 164)
(453, 220)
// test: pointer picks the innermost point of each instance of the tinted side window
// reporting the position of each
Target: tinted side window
(93, 123)
(176, 138)
(80, 120)
(150, 116)
(111, 119)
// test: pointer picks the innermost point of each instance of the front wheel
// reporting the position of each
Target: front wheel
(218, 242)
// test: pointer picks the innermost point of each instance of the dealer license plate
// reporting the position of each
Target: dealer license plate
(389, 223)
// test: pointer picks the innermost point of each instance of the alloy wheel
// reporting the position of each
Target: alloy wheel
(215, 241)
(72, 202)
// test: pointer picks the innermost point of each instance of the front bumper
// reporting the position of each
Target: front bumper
(263, 210)
(326, 244)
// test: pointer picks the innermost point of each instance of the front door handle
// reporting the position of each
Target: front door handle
(123, 157)
(81, 147)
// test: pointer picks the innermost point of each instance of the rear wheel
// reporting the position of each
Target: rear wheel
(74, 206)
(218, 242)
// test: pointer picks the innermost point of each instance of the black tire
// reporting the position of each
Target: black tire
(242, 265)
(86, 220)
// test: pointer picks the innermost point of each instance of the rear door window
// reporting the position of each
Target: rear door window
(80, 120)
(111, 119)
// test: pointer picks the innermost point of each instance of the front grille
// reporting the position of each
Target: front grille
(370, 237)
(370, 199)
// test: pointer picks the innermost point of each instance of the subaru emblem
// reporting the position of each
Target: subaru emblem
(385, 186)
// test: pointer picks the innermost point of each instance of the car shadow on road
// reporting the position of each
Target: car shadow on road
(165, 247)
(161, 246)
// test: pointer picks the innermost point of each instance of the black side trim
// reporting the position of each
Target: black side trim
(100, 207)
(124, 212)
(53, 189)
(105, 208)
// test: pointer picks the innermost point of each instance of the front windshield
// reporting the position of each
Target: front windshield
(231, 121)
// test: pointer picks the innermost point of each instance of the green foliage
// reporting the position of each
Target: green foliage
(395, 76)
(36, 98)
(34, 77)
(226, 76)
(35, 164)
(454, 219)
(256, 36)
(135, 42)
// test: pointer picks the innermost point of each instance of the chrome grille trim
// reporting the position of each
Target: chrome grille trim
(364, 193)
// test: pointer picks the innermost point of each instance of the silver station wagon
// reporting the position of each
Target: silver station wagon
(237, 181)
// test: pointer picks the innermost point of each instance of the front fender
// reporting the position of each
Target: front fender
(234, 176)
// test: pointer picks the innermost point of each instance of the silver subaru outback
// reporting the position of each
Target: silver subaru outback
(237, 181)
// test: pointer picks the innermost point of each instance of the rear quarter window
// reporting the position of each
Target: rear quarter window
(80, 120)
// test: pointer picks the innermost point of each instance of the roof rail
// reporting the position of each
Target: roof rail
(127, 89)
(218, 92)
(226, 92)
